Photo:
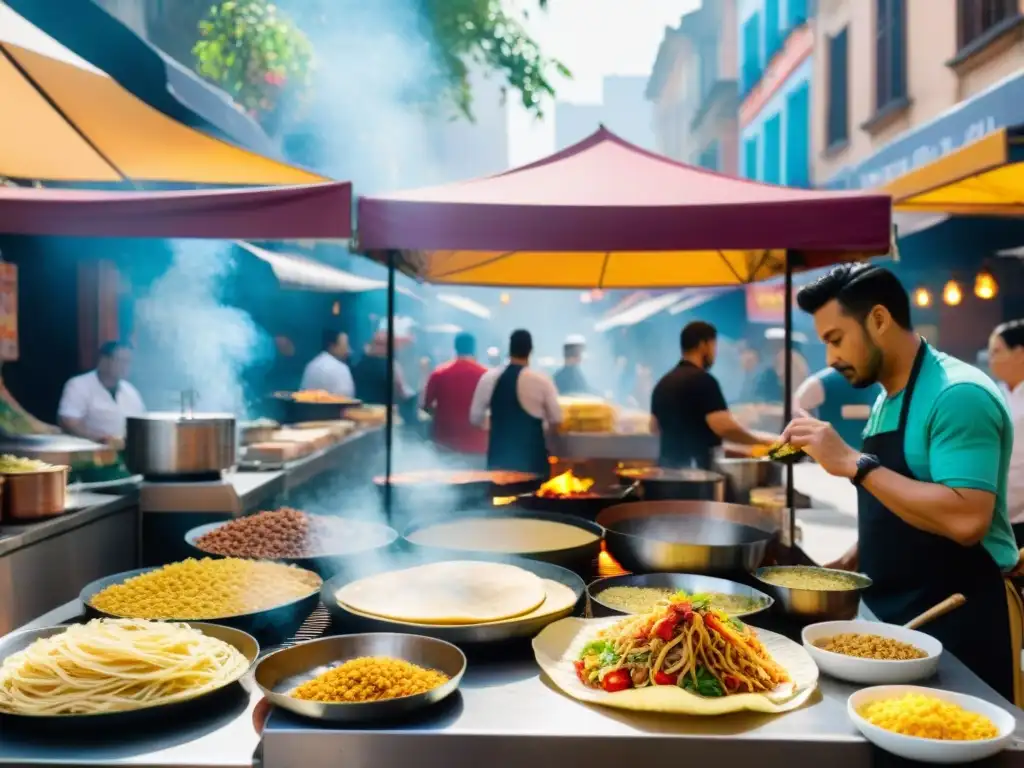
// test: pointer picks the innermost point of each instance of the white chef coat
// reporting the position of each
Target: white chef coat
(537, 395)
(86, 398)
(330, 374)
(1015, 484)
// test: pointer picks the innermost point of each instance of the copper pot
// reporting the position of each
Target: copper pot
(34, 495)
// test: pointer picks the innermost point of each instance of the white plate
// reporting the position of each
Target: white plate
(872, 671)
(932, 750)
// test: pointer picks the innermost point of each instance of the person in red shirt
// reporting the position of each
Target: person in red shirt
(448, 396)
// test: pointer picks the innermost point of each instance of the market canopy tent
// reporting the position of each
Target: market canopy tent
(605, 213)
(985, 178)
(65, 120)
(263, 213)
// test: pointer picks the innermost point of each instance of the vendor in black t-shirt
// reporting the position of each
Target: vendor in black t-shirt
(688, 409)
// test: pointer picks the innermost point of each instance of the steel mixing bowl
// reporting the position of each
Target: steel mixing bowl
(813, 605)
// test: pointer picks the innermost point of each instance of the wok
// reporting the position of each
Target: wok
(587, 507)
(704, 537)
(663, 484)
(436, 493)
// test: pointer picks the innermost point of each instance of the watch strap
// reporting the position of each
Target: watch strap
(866, 464)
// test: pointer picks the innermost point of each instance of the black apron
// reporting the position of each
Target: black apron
(516, 442)
(912, 570)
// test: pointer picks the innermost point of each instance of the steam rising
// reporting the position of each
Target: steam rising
(188, 339)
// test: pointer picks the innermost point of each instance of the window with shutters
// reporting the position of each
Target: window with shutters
(890, 52)
(796, 13)
(978, 18)
(750, 158)
(772, 31)
(798, 136)
(773, 150)
(751, 56)
(838, 126)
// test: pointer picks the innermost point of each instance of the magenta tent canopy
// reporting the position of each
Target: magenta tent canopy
(605, 213)
(314, 211)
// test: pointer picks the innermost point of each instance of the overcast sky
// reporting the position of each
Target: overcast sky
(594, 38)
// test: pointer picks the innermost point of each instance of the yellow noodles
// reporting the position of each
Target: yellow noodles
(207, 589)
(112, 665)
(370, 679)
(928, 718)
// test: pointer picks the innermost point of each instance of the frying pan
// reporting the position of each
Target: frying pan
(707, 537)
(663, 484)
(441, 496)
(587, 507)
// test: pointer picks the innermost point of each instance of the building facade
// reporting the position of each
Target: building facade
(775, 47)
(907, 81)
(621, 110)
(694, 90)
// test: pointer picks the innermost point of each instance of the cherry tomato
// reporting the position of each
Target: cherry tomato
(731, 683)
(580, 670)
(619, 680)
(660, 678)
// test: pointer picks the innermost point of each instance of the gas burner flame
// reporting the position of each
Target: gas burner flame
(502, 501)
(567, 486)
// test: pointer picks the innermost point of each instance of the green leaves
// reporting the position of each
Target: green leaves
(707, 685)
(252, 51)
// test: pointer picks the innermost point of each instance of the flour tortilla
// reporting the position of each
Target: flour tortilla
(559, 600)
(559, 644)
(457, 592)
(507, 535)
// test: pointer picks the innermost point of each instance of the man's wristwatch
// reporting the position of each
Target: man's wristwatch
(866, 464)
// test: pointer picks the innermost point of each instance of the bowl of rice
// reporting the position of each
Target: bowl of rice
(930, 725)
(872, 653)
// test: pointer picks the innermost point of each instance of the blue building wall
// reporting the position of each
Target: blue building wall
(776, 143)
(763, 27)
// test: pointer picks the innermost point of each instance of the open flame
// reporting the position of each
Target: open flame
(567, 485)
(502, 501)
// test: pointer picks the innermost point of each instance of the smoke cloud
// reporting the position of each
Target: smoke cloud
(189, 339)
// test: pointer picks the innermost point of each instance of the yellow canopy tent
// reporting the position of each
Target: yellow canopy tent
(607, 214)
(985, 178)
(66, 121)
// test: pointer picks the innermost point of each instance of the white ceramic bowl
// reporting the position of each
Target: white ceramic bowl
(932, 750)
(872, 671)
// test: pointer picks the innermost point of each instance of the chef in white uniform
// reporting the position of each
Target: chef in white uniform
(95, 405)
(1006, 361)
(328, 371)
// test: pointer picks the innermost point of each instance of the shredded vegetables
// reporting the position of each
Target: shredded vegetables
(682, 642)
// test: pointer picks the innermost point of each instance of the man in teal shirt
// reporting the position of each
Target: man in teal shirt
(932, 477)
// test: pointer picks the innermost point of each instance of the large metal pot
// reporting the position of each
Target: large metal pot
(742, 475)
(35, 495)
(173, 444)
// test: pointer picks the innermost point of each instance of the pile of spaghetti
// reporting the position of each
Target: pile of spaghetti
(113, 665)
(683, 642)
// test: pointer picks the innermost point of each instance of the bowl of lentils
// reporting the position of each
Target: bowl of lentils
(322, 543)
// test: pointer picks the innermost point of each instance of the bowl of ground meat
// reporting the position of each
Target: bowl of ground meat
(872, 653)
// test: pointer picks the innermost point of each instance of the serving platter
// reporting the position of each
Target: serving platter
(245, 643)
(350, 620)
(559, 645)
(686, 582)
(325, 565)
(282, 671)
(270, 626)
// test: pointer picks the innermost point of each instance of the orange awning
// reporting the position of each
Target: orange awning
(66, 121)
(985, 178)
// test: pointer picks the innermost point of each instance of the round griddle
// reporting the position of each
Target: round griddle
(472, 634)
(579, 559)
(707, 537)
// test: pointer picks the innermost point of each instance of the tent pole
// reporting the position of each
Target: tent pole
(787, 390)
(389, 419)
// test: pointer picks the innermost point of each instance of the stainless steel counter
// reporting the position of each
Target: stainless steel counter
(506, 714)
(46, 563)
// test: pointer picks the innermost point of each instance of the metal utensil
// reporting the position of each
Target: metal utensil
(34, 495)
(815, 605)
(175, 444)
(246, 644)
(705, 537)
(686, 582)
(940, 609)
(668, 484)
(283, 670)
(743, 475)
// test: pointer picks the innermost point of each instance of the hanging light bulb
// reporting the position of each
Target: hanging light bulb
(952, 294)
(985, 285)
(505, 298)
(922, 297)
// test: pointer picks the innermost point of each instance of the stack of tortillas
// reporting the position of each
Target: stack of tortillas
(460, 592)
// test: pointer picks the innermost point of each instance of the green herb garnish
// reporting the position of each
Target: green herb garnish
(707, 685)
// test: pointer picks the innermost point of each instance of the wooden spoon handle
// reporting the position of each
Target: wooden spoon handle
(947, 605)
